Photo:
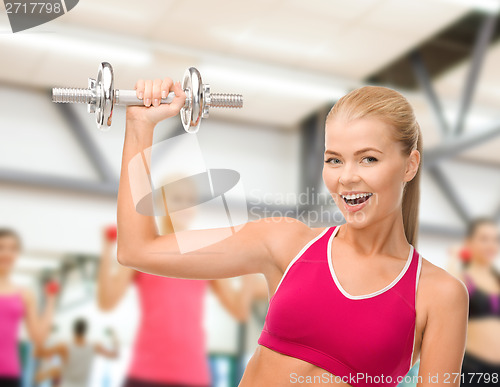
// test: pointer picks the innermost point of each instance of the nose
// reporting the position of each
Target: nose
(349, 175)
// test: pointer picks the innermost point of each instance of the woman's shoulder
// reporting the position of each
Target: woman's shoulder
(16, 292)
(441, 288)
(15, 289)
(286, 236)
(27, 294)
(284, 229)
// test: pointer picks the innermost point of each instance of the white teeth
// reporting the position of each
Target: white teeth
(355, 196)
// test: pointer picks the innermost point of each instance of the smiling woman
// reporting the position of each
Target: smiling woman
(351, 305)
(376, 125)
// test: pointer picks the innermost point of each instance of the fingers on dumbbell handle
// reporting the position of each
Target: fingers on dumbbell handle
(220, 100)
(129, 97)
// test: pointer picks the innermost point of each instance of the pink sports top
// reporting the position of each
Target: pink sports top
(364, 340)
(11, 314)
(170, 346)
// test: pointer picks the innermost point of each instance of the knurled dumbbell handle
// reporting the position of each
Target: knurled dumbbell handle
(129, 98)
(100, 97)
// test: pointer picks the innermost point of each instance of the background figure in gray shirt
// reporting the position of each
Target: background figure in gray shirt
(76, 357)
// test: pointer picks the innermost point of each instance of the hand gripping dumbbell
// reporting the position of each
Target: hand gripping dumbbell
(100, 97)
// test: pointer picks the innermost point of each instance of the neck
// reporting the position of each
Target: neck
(479, 265)
(4, 278)
(385, 237)
(79, 339)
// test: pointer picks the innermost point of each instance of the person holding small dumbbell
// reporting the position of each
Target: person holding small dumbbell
(18, 304)
(473, 263)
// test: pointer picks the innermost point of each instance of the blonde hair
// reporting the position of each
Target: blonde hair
(393, 108)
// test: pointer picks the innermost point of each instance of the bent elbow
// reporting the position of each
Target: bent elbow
(123, 259)
(129, 256)
(241, 315)
(126, 257)
(105, 305)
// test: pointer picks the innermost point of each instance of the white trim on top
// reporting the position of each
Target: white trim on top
(419, 266)
(363, 296)
(299, 255)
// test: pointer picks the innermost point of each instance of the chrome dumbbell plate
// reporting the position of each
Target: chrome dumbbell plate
(105, 96)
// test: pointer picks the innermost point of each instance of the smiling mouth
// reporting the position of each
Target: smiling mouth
(353, 200)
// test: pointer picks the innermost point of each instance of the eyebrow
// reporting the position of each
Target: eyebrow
(355, 153)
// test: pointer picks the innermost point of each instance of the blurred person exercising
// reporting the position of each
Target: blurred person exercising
(170, 346)
(473, 263)
(48, 373)
(18, 304)
(76, 357)
(346, 308)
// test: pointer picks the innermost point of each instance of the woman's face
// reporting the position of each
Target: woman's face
(361, 158)
(9, 250)
(484, 243)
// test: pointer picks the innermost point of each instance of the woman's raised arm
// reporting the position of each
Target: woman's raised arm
(139, 244)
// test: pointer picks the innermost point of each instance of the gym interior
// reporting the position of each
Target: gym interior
(291, 60)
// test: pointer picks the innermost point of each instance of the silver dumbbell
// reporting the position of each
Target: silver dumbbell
(100, 97)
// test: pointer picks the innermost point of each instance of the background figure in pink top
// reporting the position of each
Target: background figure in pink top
(18, 304)
(170, 346)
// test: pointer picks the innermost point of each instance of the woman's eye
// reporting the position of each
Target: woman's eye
(335, 161)
(371, 159)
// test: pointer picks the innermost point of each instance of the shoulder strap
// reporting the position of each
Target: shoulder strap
(419, 270)
(408, 284)
(469, 283)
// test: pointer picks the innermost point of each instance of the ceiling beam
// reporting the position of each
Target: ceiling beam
(425, 83)
(450, 193)
(312, 142)
(480, 48)
(86, 142)
(456, 145)
(64, 183)
(478, 162)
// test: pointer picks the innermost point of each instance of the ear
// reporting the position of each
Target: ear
(412, 165)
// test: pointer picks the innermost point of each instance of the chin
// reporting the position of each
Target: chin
(359, 220)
